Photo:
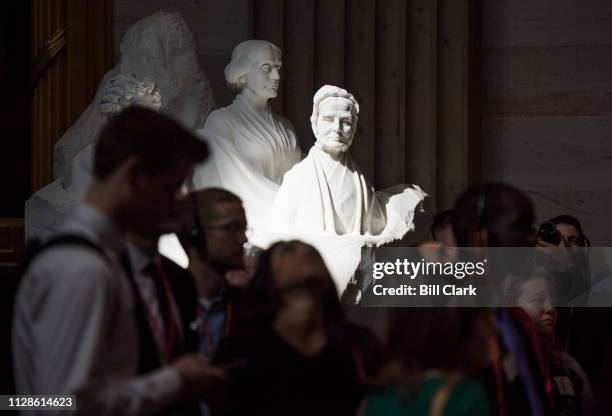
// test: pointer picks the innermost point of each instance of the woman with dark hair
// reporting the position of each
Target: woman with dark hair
(501, 215)
(430, 355)
(572, 391)
(299, 353)
(494, 215)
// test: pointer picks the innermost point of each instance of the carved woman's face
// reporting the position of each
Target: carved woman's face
(335, 124)
(264, 75)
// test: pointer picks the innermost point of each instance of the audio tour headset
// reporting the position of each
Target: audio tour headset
(195, 232)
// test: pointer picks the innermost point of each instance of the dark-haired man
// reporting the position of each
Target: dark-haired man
(216, 260)
(571, 231)
(74, 330)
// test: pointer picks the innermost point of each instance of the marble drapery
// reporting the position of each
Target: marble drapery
(250, 153)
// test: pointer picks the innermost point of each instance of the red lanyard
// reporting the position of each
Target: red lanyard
(359, 365)
(495, 355)
(228, 319)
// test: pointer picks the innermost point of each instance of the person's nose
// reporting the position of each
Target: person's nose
(548, 306)
(274, 74)
(563, 242)
(336, 125)
(181, 192)
(241, 236)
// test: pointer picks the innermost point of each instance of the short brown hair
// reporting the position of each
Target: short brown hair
(160, 141)
(206, 199)
(506, 212)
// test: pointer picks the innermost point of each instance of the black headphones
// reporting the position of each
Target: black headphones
(195, 233)
(481, 207)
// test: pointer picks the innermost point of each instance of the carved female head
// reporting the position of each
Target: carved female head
(255, 65)
(334, 118)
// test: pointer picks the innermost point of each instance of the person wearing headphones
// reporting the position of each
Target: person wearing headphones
(215, 247)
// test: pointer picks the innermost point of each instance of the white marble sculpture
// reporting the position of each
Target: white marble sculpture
(251, 146)
(159, 68)
(326, 193)
(327, 201)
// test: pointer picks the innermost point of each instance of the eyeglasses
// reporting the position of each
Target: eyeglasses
(230, 228)
(575, 241)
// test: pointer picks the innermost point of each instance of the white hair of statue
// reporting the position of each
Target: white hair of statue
(327, 91)
(242, 59)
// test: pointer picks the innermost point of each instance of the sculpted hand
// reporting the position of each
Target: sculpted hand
(123, 91)
(200, 379)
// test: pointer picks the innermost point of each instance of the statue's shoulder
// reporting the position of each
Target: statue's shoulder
(304, 166)
(217, 116)
(219, 123)
(284, 121)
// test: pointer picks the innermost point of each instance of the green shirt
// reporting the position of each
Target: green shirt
(466, 398)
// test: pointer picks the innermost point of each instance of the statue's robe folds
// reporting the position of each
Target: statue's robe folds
(250, 153)
(320, 195)
(331, 205)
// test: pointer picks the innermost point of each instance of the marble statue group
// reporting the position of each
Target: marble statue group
(159, 68)
(319, 196)
(252, 146)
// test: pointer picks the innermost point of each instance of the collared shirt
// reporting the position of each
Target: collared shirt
(74, 330)
(210, 327)
(140, 262)
(141, 269)
(211, 323)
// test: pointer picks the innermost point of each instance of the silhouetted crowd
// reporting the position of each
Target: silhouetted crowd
(101, 315)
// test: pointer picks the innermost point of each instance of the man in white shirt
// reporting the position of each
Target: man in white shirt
(74, 330)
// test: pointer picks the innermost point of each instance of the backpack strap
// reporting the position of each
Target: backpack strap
(35, 247)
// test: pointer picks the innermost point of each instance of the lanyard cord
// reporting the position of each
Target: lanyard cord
(499, 383)
(229, 310)
(165, 338)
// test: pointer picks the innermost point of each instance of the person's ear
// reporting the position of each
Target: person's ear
(133, 171)
(126, 176)
(242, 80)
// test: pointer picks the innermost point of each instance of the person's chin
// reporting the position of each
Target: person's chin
(334, 144)
(339, 147)
(271, 92)
(547, 325)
